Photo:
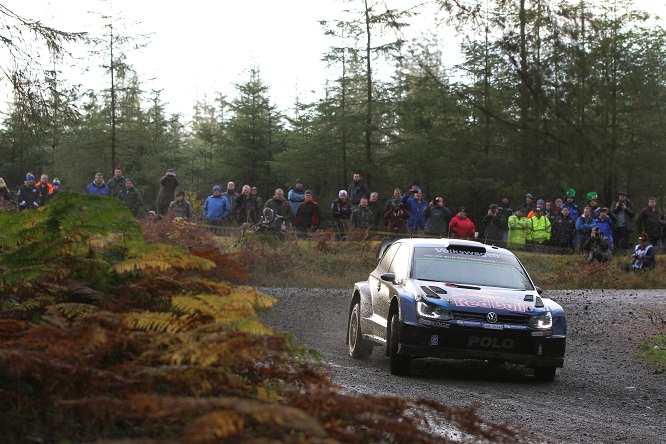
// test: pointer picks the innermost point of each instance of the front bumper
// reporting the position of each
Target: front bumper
(456, 342)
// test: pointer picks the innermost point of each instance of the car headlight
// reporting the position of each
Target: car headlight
(544, 320)
(433, 311)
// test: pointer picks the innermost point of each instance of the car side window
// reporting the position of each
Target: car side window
(400, 264)
(388, 257)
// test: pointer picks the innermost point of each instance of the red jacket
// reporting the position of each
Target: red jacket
(461, 228)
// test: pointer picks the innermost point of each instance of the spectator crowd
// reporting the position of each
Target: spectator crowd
(561, 224)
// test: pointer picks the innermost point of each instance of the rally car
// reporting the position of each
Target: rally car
(455, 299)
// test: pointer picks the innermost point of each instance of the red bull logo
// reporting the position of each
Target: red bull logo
(489, 304)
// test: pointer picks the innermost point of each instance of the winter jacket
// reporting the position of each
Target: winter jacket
(599, 248)
(651, 221)
(517, 230)
(362, 218)
(27, 197)
(461, 228)
(584, 227)
(538, 229)
(116, 185)
(356, 191)
(167, 193)
(100, 190)
(307, 216)
(437, 220)
(247, 209)
(606, 228)
(396, 219)
(574, 211)
(624, 217)
(295, 197)
(231, 198)
(563, 231)
(280, 208)
(45, 190)
(415, 209)
(133, 200)
(216, 208)
(644, 259)
(492, 227)
(180, 209)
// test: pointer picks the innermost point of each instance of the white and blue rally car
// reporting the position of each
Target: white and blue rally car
(455, 299)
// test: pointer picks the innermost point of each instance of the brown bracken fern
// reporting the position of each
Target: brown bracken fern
(155, 347)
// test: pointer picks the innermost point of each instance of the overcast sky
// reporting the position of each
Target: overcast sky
(200, 47)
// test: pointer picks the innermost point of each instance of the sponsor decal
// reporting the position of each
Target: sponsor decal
(434, 340)
(489, 303)
(430, 323)
(486, 342)
(494, 326)
(470, 323)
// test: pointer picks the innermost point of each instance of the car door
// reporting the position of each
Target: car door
(379, 292)
(387, 290)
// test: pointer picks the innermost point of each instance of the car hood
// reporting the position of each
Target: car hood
(481, 299)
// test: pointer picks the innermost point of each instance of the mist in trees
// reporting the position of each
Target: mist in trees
(547, 96)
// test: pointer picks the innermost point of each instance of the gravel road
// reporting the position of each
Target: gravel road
(602, 395)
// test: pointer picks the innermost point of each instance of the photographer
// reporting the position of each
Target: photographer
(396, 217)
(622, 210)
(437, 218)
(270, 223)
(644, 257)
(598, 246)
(492, 226)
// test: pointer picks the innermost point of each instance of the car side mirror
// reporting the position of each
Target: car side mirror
(539, 290)
(390, 277)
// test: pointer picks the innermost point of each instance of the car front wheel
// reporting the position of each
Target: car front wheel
(399, 363)
(359, 348)
(544, 374)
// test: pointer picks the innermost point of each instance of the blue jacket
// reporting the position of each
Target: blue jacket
(295, 197)
(574, 211)
(416, 219)
(606, 227)
(216, 208)
(101, 190)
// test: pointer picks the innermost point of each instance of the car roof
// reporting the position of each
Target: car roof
(446, 243)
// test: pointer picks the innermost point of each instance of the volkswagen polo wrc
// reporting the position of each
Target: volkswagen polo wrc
(455, 299)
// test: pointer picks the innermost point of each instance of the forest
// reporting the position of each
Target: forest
(548, 96)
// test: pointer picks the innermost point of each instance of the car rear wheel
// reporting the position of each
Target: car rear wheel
(359, 348)
(544, 374)
(399, 364)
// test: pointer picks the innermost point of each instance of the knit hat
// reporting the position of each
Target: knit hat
(342, 193)
(299, 181)
(541, 203)
(217, 188)
(29, 176)
(56, 182)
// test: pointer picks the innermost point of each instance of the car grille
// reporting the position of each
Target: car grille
(501, 319)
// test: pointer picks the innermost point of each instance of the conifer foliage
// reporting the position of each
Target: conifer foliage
(106, 337)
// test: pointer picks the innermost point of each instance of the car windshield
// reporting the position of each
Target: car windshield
(469, 267)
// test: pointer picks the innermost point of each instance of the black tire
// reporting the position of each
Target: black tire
(399, 364)
(544, 374)
(359, 348)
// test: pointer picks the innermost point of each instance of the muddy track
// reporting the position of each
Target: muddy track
(602, 395)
